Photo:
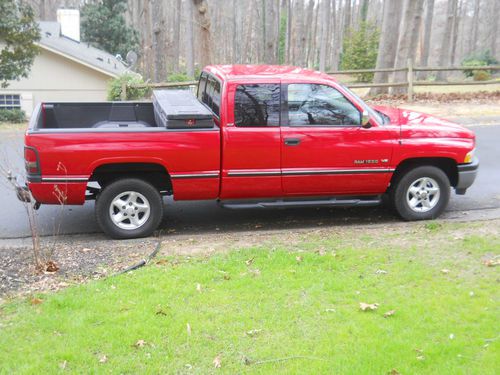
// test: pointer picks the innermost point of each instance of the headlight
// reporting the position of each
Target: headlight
(470, 155)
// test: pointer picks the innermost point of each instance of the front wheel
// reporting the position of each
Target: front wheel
(421, 193)
(129, 208)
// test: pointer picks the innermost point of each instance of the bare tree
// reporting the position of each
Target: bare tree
(325, 22)
(408, 39)
(388, 43)
(444, 54)
(202, 25)
(425, 46)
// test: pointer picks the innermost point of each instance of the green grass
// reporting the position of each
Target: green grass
(300, 300)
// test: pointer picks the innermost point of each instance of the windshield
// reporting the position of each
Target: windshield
(365, 106)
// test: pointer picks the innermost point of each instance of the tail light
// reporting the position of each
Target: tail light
(31, 161)
(190, 122)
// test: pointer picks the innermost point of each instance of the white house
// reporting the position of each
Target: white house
(65, 70)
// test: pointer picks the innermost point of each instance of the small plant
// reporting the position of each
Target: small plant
(483, 58)
(179, 77)
(129, 79)
(481, 75)
(433, 226)
(15, 116)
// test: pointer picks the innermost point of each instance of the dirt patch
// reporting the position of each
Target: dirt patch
(82, 258)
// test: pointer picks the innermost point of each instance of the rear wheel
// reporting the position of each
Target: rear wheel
(129, 208)
(421, 193)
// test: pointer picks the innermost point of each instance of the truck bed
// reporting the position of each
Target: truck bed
(106, 115)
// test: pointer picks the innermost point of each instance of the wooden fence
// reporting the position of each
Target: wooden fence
(410, 82)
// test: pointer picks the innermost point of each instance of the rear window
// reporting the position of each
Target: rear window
(257, 105)
(209, 93)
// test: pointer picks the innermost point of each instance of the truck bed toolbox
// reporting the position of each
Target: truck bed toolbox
(180, 109)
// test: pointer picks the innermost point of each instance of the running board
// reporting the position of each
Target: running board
(332, 202)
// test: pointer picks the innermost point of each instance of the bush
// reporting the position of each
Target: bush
(483, 58)
(115, 87)
(12, 115)
(481, 75)
(179, 77)
(360, 50)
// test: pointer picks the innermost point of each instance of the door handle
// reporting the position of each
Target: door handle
(292, 141)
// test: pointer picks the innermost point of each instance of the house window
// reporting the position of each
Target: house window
(10, 101)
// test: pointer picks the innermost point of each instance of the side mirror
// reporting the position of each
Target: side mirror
(365, 120)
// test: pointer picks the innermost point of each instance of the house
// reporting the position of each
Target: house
(65, 70)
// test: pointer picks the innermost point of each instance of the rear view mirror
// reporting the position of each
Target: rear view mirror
(365, 120)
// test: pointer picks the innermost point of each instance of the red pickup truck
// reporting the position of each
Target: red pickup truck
(279, 137)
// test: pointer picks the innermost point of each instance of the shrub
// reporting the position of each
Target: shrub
(115, 87)
(179, 77)
(481, 75)
(360, 50)
(12, 115)
(483, 58)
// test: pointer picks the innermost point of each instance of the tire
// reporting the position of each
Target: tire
(129, 208)
(421, 193)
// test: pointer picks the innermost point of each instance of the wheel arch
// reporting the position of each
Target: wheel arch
(447, 165)
(154, 173)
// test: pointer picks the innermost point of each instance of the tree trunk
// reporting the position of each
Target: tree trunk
(190, 40)
(176, 35)
(325, 20)
(271, 31)
(203, 37)
(444, 54)
(408, 40)
(494, 28)
(388, 43)
(424, 55)
(475, 25)
(159, 41)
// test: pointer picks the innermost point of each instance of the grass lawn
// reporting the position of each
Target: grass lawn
(282, 307)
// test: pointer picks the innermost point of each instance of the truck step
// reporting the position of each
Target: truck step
(329, 202)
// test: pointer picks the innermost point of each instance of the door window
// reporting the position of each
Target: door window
(257, 105)
(313, 104)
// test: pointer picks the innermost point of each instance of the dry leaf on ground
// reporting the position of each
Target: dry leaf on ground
(198, 288)
(217, 361)
(103, 358)
(188, 328)
(140, 343)
(299, 259)
(249, 262)
(36, 301)
(253, 332)
(444, 270)
(368, 306)
(389, 313)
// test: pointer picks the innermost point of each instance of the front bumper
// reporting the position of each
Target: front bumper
(466, 175)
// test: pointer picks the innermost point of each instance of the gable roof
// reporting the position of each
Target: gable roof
(52, 40)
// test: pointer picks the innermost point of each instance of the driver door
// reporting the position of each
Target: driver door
(324, 149)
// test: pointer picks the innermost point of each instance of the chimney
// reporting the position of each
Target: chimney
(69, 19)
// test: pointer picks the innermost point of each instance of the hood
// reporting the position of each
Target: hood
(418, 124)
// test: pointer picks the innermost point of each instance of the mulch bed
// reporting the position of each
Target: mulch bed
(78, 260)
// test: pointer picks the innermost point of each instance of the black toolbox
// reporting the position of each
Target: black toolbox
(180, 109)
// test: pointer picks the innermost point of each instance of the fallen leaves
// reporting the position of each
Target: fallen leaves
(188, 329)
(299, 259)
(253, 332)
(493, 262)
(249, 262)
(389, 313)
(368, 306)
(103, 358)
(217, 361)
(36, 301)
(140, 343)
(380, 272)
(51, 267)
(445, 271)
(198, 287)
